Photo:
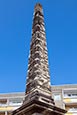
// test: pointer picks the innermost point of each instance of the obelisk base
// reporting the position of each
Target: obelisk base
(35, 106)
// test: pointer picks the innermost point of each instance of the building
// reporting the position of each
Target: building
(65, 96)
(10, 102)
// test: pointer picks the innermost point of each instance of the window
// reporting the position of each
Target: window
(70, 95)
(3, 102)
(15, 101)
(57, 97)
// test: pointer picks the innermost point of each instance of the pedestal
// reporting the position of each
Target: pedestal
(38, 105)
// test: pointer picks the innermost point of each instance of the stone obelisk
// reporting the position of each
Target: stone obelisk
(38, 95)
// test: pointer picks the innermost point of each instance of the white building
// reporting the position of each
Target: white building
(66, 97)
(10, 102)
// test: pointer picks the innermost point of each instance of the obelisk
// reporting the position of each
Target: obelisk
(38, 95)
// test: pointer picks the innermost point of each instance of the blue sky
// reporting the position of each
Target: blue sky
(15, 35)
